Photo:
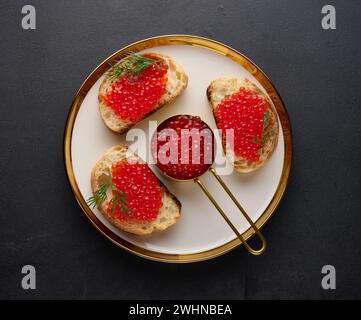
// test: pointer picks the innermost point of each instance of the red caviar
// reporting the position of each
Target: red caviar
(243, 112)
(193, 143)
(143, 194)
(131, 98)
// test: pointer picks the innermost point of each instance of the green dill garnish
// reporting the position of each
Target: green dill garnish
(134, 64)
(267, 132)
(118, 200)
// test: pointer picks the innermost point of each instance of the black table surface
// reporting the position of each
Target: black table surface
(317, 73)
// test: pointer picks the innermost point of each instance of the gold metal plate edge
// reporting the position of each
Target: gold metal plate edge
(210, 45)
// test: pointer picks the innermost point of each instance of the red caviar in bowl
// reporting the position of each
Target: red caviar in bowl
(131, 98)
(244, 113)
(143, 194)
(183, 147)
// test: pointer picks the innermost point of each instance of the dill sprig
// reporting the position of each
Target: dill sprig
(267, 132)
(98, 196)
(118, 200)
(134, 64)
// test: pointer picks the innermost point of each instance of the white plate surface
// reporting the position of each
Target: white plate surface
(200, 227)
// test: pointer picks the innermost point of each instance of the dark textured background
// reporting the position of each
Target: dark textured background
(317, 73)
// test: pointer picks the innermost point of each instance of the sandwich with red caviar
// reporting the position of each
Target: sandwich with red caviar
(129, 194)
(138, 85)
(242, 107)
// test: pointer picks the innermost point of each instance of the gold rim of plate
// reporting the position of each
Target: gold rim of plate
(210, 45)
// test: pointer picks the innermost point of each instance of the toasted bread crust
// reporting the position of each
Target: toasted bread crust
(226, 86)
(176, 83)
(168, 214)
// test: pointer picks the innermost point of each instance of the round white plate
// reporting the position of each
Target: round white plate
(201, 232)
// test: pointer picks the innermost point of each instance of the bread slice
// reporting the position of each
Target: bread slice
(177, 81)
(168, 214)
(225, 86)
